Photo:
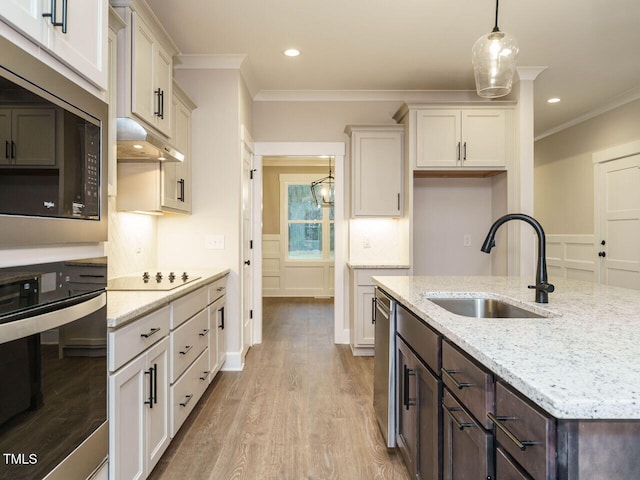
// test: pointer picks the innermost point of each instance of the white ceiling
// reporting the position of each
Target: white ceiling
(591, 48)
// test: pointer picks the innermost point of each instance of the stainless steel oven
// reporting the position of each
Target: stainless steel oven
(52, 142)
(53, 400)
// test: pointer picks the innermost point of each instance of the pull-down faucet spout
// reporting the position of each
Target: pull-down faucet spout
(542, 287)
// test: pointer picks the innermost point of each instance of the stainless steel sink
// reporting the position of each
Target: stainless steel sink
(483, 308)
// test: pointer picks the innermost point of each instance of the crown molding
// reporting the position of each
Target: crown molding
(618, 101)
(209, 62)
(408, 96)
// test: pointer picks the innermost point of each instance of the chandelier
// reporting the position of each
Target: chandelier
(323, 190)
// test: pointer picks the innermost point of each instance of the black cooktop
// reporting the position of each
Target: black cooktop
(146, 281)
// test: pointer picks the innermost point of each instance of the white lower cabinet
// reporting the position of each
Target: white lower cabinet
(139, 414)
(361, 323)
(159, 366)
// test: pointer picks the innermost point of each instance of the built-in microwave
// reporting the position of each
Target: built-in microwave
(52, 143)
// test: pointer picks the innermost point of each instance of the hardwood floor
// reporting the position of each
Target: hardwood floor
(301, 409)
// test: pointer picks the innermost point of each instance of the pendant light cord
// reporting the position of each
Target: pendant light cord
(495, 28)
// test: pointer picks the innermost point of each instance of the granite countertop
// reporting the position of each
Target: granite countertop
(582, 362)
(125, 306)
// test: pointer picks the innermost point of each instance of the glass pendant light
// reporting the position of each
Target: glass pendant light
(323, 190)
(494, 62)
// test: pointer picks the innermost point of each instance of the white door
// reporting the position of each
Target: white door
(619, 204)
(247, 270)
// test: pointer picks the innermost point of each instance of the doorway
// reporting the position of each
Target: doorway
(271, 250)
(617, 201)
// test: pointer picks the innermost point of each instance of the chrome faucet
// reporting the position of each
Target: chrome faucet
(542, 287)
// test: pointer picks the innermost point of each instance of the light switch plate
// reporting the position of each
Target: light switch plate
(214, 242)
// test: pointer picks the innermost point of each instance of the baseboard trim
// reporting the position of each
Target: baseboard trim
(234, 362)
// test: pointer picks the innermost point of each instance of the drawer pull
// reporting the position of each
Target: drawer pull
(204, 332)
(458, 385)
(186, 349)
(204, 376)
(521, 444)
(187, 399)
(151, 332)
(461, 426)
(219, 289)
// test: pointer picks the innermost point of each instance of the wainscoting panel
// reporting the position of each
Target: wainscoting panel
(291, 278)
(572, 256)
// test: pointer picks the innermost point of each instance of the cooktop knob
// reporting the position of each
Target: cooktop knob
(158, 277)
(145, 277)
(185, 277)
(172, 277)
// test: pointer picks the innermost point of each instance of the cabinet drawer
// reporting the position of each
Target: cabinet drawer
(469, 382)
(187, 342)
(217, 289)
(186, 307)
(467, 447)
(134, 338)
(188, 390)
(526, 433)
(506, 469)
(422, 338)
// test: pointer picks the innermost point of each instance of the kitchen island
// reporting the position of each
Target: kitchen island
(577, 366)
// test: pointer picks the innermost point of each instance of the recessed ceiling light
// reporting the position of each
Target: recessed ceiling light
(137, 146)
(553, 100)
(292, 52)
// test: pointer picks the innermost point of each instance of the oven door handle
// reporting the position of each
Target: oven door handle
(52, 319)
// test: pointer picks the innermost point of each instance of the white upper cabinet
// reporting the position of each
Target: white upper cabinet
(176, 176)
(377, 170)
(74, 31)
(461, 138)
(26, 16)
(152, 68)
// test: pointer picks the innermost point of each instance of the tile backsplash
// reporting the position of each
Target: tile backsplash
(378, 241)
(132, 245)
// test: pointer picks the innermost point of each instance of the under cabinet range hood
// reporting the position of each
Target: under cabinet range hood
(138, 144)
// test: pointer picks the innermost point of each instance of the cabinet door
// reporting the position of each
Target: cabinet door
(162, 81)
(407, 435)
(428, 389)
(127, 394)
(5, 136)
(484, 137)
(378, 172)
(33, 133)
(438, 138)
(467, 447)
(83, 47)
(158, 437)
(144, 101)
(26, 16)
(176, 176)
(222, 335)
(365, 328)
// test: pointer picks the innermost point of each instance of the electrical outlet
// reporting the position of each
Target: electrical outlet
(366, 242)
(467, 240)
(214, 242)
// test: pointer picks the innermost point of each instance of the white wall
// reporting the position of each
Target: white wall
(445, 210)
(215, 154)
(379, 241)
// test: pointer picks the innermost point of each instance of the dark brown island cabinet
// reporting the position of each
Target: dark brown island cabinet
(457, 420)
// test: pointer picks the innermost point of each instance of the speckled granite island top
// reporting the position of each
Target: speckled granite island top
(583, 362)
(123, 307)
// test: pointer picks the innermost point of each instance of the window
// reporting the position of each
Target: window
(309, 228)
